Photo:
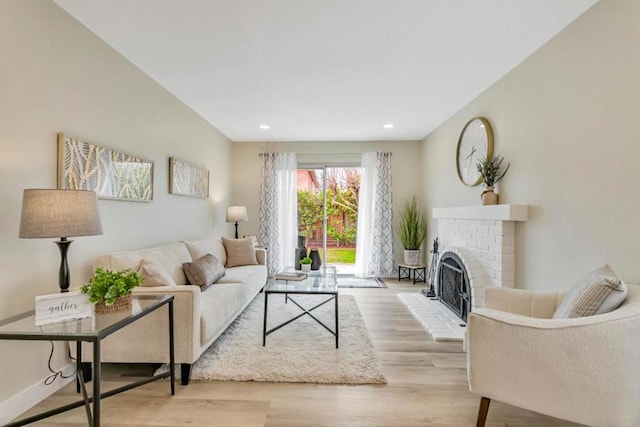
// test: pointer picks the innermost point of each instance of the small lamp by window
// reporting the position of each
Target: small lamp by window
(237, 214)
(59, 213)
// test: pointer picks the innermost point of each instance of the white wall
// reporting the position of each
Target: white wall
(245, 173)
(56, 76)
(566, 120)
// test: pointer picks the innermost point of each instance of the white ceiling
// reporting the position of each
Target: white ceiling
(325, 69)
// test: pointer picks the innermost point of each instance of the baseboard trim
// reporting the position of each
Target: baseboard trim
(34, 394)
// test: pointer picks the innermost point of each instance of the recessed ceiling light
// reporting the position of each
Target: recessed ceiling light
(388, 126)
(264, 126)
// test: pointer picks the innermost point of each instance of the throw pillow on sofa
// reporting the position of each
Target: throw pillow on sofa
(239, 252)
(600, 291)
(204, 272)
(154, 274)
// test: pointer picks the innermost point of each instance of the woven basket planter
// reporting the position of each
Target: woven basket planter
(122, 304)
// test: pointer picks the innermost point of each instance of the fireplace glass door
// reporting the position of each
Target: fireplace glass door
(453, 285)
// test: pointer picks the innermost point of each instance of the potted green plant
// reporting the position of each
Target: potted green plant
(305, 263)
(111, 290)
(412, 231)
(492, 171)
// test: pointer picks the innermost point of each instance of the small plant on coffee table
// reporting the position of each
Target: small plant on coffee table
(306, 263)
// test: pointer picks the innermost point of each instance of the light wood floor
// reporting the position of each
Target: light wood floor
(427, 386)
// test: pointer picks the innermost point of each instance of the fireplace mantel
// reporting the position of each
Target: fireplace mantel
(492, 212)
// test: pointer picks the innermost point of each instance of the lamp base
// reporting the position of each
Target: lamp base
(236, 229)
(63, 273)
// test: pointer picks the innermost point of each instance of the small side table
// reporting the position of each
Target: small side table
(22, 328)
(419, 273)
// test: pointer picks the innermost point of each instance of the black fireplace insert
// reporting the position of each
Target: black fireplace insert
(453, 285)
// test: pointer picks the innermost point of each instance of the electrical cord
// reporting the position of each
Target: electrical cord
(55, 374)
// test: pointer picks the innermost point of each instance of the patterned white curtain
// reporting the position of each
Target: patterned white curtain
(375, 254)
(278, 209)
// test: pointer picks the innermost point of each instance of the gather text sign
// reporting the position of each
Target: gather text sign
(63, 306)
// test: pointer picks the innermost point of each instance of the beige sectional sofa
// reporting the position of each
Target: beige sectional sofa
(200, 316)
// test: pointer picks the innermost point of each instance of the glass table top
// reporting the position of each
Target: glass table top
(325, 271)
(24, 324)
(311, 285)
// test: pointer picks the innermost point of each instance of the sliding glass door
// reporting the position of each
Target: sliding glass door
(328, 212)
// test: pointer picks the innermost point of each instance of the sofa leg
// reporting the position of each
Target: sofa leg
(86, 371)
(185, 373)
(482, 411)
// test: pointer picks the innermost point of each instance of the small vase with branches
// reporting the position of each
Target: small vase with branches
(492, 171)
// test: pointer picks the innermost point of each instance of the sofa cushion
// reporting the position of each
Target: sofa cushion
(239, 252)
(154, 274)
(218, 304)
(247, 274)
(213, 246)
(204, 271)
(600, 291)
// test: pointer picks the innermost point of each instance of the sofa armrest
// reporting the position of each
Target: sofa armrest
(584, 369)
(523, 302)
(186, 316)
(147, 341)
(261, 256)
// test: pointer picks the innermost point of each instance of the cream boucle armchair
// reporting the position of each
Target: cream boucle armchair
(585, 370)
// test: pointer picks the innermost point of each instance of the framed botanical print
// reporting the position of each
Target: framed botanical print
(187, 179)
(110, 173)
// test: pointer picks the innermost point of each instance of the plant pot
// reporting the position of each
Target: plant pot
(315, 257)
(306, 267)
(411, 257)
(300, 253)
(121, 305)
(489, 197)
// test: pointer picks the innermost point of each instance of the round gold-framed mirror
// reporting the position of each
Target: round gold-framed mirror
(475, 142)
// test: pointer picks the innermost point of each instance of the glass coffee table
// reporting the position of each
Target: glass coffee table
(314, 284)
(327, 272)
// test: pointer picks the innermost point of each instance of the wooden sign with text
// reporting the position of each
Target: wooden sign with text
(55, 308)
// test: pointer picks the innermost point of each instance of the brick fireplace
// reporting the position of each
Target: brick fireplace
(483, 241)
(483, 237)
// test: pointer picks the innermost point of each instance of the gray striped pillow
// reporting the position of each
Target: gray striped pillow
(600, 291)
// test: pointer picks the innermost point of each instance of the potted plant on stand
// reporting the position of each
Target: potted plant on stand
(412, 231)
(305, 264)
(111, 290)
(491, 170)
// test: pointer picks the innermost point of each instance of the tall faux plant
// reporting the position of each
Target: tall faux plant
(413, 226)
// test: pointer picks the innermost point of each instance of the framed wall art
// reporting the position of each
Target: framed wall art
(110, 173)
(187, 179)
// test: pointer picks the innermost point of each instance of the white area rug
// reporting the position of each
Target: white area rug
(435, 318)
(302, 351)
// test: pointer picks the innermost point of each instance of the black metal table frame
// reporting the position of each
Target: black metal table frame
(404, 272)
(94, 417)
(334, 297)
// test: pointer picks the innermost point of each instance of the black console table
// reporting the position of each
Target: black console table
(93, 330)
